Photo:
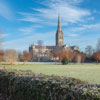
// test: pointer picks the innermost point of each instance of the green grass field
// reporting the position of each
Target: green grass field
(86, 72)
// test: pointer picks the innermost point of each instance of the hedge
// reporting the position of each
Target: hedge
(25, 85)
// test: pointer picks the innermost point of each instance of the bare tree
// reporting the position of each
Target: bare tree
(10, 56)
(68, 54)
(26, 56)
(57, 55)
(89, 51)
(83, 55)
(98, 45)
(97, 56)
(20, 56)
(1, 55)
(78, 58)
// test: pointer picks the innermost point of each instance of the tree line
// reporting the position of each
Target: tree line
(73, 56)
(70, 56)
(93, 55)
(11, 56)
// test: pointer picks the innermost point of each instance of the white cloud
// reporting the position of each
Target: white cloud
(82, 28)
(72, 2)
(2, 34)
(68, 9)
(91, 26)
(29, 17)
(5, 10)
(29, 29)
(5, 35)
(96, 11)
(73, 35)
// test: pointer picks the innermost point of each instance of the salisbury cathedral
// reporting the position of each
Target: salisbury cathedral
(45, 53)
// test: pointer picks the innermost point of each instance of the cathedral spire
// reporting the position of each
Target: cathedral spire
(59, 24)
(59, 34)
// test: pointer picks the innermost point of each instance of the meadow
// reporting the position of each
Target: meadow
(85, 72)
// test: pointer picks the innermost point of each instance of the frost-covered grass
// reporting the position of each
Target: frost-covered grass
(85, 72)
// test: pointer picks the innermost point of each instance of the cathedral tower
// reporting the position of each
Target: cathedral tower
(59, 34)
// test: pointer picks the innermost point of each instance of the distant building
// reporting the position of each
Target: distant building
(44, 53)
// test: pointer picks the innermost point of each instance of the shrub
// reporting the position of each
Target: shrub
(65, 61)
(25, 85)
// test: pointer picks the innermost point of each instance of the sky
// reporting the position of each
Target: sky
(24, 22)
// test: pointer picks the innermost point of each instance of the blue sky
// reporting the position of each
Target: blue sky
(26, 21)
